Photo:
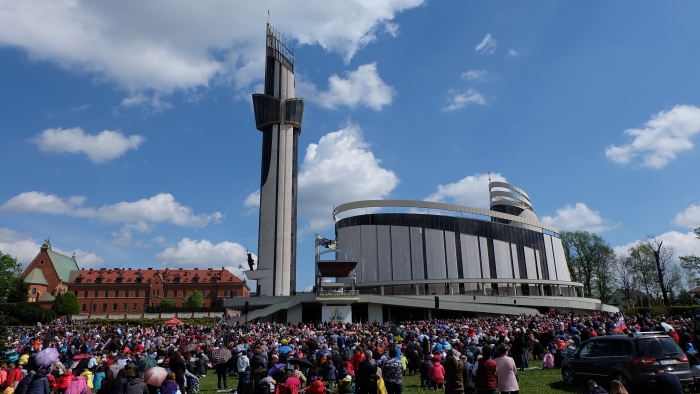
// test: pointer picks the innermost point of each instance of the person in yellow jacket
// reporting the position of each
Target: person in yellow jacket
(88, 377)
(24, 359)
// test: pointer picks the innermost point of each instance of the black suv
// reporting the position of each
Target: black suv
(632, 359)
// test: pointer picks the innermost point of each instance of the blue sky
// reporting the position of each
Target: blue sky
(129, 139)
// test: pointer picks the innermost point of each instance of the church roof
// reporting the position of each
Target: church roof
(46, 297)
(63, 265)
(36, 277)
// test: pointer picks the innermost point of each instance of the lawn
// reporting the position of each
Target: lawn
(531, 381)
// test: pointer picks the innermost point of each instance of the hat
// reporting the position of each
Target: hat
(284, 341)
(348, 378)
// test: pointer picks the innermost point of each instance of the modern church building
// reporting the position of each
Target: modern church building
(396, 259)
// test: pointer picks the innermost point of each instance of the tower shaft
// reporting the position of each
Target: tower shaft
(278, 115)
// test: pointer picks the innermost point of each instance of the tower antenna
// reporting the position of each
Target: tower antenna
(268, 17)
(489, 176)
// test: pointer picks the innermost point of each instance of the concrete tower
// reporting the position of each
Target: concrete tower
(278, 115)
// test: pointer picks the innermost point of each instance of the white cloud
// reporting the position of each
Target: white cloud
(99, 148)
(204, 254)
(684, 244)
(170, 45)
(340, 169)
(578, 218)
(690, 217)
(513, 53)
(361, 87)
(253, 199)
(152, 103)
(80, 108)
(661, 139)
(487, 46)
(161, 208)
(124, 235)
(24, 248)
(475, 75)
(459, 100)
(472, 191)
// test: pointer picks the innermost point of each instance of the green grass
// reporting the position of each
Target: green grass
(531, 381)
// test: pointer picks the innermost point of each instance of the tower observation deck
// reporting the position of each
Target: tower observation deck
(278, 115)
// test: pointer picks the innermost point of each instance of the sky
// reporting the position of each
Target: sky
(128, 136)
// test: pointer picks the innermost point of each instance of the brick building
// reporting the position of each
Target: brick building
(127, 290)
(49, 274)
(124, 290)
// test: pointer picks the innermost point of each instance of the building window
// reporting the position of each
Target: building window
(76, 293)
(213, 293)
(106, 293)
(234, 293)
(184, 294)
(41, 262)
(96, 294)
(137, 294)
(204, 293)
(104, 307)
(114, 307)
(84, 307)
(136, 307)
(165, 293)
(126, 307)
(85, 294)
(116, 294)
(126, 293)
(34, 291)
(174, 293)
(94, 307)
(225, 293)
(145, 307)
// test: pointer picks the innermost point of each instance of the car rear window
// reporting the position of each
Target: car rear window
(659, 347)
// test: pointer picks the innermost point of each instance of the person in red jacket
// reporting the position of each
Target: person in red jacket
(14, 376)
(66, 379)
(357, 358)
(485, 378)
(316, 386)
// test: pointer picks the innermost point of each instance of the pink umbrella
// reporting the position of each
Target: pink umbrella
(155, 376)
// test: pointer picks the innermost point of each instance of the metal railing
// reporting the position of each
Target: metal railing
(338, 293)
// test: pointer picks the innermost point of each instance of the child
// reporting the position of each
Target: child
(437, 373)
(547, 360)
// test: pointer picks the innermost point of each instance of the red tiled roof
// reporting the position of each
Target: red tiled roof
(129, 275)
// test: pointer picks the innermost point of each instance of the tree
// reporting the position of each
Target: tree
(167, 303)
(662, 262)
(56, 302)
(19, 292)
(10, 270)
(590, 261)
(624, 269)
(194, 300)
(691, 264)
(68, 305)
(641, 259)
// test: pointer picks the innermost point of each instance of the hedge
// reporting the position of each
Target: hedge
(28, 313)
(686, 311)
(204, 321)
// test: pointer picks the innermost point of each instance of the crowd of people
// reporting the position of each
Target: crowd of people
(458, 356)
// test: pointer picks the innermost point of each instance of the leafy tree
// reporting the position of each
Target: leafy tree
(662, 255)
(195, 299)
(167, 303)
(623, 270)
(643, 270)
(691, 264)
(68, 305)
(19, 292)
(56, 302)
(10, 270)
(4, 333)
(591, 261)
(28, 313)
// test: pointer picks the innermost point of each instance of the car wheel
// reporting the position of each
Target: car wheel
(622, 379)
(568, 377)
